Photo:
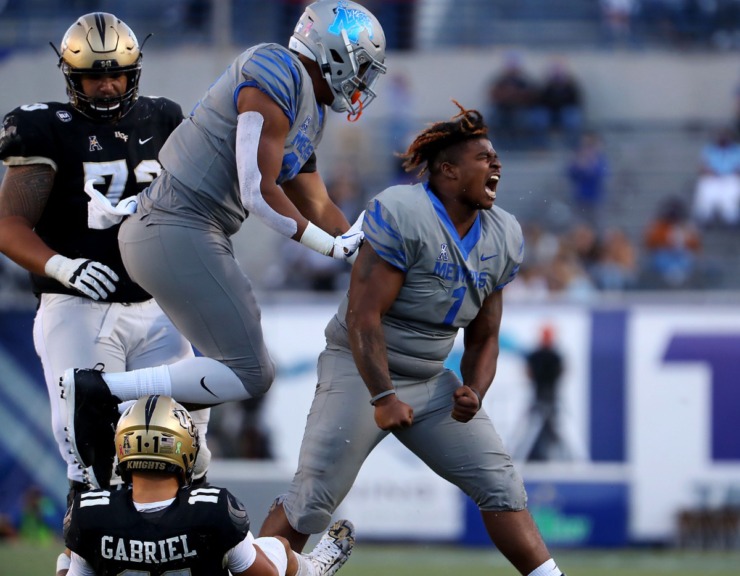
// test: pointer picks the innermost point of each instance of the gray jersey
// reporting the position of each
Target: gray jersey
(201, 153)
(447, 277)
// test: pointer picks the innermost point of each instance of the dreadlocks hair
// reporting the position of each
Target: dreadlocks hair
(424, 150)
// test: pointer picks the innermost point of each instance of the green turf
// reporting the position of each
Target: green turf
(25, 559)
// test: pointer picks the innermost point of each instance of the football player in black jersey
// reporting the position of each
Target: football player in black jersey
(163, 525)
(90, 312)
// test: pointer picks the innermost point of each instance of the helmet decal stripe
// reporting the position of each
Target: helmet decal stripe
(100, 24)
(151, 405)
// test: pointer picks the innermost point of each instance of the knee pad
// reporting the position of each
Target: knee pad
(255, 379)
(306, 520)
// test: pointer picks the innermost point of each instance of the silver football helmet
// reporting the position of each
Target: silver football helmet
(100, 43)
(156, 434)
(348, 43)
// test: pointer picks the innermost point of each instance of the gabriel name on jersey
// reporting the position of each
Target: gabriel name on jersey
(146, 552)
(193, 533)
(120, 157)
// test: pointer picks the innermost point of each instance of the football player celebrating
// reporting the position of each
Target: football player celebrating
(163, 525)
(437, 256)
(90, 311)
(248, 146)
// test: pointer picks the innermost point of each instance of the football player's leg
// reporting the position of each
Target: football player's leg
(471, 456)
(69, 331)
(155, 341)
(198, 283)
(340, 433)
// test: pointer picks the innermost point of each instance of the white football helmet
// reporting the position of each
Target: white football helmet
(100, 43)
(348, 43)
(156, 434)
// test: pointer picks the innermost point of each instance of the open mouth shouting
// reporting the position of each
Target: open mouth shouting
(491, 185)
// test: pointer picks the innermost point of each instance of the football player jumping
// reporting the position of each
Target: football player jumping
(248, 146)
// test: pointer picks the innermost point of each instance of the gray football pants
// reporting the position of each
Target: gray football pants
(341, 432)
(197, 281)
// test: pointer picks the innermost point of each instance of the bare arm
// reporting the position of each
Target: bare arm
(480, 357)
(374, 286)
(24, 193)
(308, 193)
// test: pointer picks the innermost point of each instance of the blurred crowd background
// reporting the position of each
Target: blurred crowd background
(610, 200)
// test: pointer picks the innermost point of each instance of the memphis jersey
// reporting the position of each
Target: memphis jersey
(190, 536)
(201, 155)
(447, 277)
(120, 157)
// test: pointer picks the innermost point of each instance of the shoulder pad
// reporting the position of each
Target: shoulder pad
(8, 135)
(237, 513)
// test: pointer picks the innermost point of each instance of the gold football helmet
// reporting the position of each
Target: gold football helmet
(100, 43)
(156, 434)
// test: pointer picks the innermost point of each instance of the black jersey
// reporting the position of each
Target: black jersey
(191, 536)
(121, 156)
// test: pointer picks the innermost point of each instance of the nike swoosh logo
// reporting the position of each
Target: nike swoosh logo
(484, 258)
(203, 384)
(145, 141)
(346, 236)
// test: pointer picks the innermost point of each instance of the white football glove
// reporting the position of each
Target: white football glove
(347, 245)
(91, 278)
(101, 214)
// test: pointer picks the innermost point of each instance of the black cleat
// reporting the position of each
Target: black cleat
(92, 415)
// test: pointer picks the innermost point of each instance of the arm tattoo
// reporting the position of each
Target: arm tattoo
(25, 191)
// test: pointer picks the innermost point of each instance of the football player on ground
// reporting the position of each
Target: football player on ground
(163, 525)
(90, 311)
(248, 146)
(436, 258)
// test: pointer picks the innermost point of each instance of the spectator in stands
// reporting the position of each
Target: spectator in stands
(617, 20)
(561, 101)
(587, 171)
(717, 195)
(512, 96)
(530, 285)
(616, 266)
(674, 246)
(567, 277)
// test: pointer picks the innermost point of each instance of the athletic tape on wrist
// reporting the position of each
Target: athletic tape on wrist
(316, 239)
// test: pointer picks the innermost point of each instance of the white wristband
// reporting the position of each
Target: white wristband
(53, 268)
(316, 239)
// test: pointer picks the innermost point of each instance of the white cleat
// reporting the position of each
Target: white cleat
(334, 548)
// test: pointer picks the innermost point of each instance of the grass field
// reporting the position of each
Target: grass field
(22, 559)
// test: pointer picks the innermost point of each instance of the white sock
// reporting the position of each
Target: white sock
(305, 568)
(137, 383)
(193, 381)
(548, 568)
